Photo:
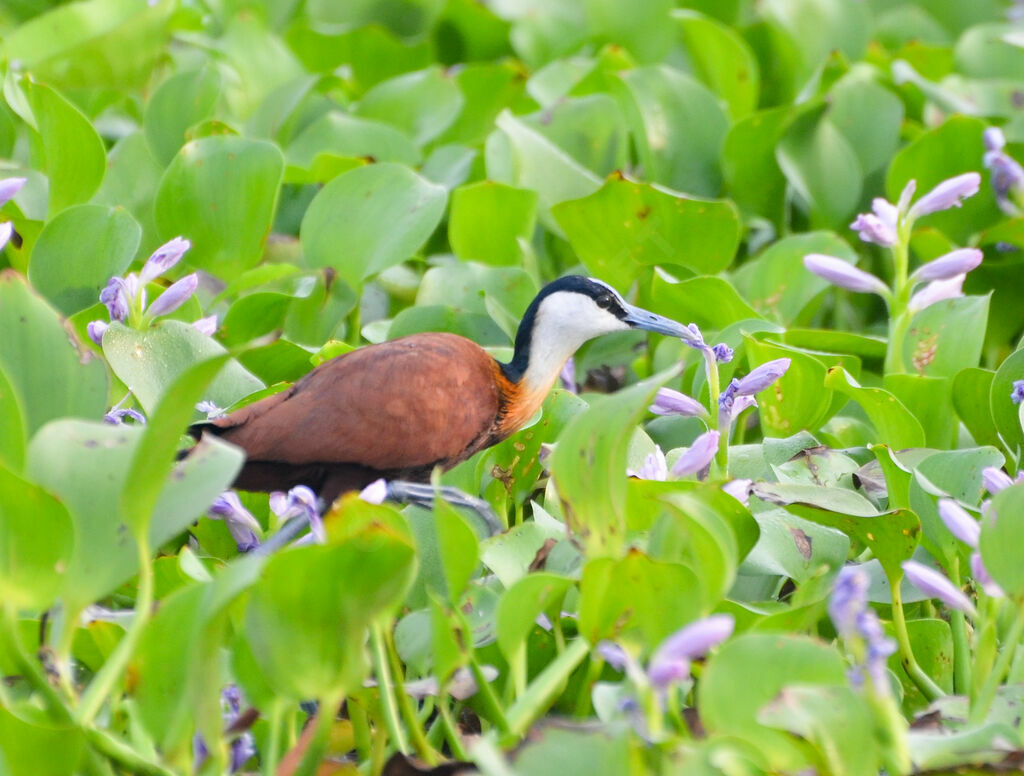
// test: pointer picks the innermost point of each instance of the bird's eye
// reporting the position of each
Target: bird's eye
(604, 301)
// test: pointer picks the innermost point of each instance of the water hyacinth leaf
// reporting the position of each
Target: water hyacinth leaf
(822, 167)
(341, 135)
(1001, 533)
(894, 423)
(111, 44)
(488, 218)
(149, 361)
(521, 605)
(947, 336)
(68, 382)
(789, 546)
(450, 635)
(722, 60)
(308, 640)
(823, 26)
(866, 347)
(796, 400)
(637, 598)
(983, 52)
(73, 153)
(748, 672)
(131, 182)
(12, 427)
(590, 128)
(32, 744)
(178, 103)
(776, 282)
(222, 193)
(1004, 411)
(708, 301)
(971, 390)
(36, 540)
(422, 104)
(489, 88)
(467, 286)
(448, 553)
(369, 219)
(752, 174)
(836, 720)
(950, 149)
(627, 225)
(595, 443)
(103, 241)
(600, 753)
(678, 126)
(869, 116)
(254, 315)
(931, 398)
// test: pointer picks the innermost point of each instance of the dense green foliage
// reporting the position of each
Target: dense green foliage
(346, 172)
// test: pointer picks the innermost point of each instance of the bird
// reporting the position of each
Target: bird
(396, 410)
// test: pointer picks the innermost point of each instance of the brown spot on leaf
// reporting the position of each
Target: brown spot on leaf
(802, 541)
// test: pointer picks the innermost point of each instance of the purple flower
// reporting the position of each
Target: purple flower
(9, 187)
(654, 467)
(243, 526)
(959, 522)
(300, 501)
(855, 621)
(95, 330)
(568, 376)
(943, 268)
(947, 194)
(613, 654)
(163, 258)
(696, 339)
(375, 493)
(723, 353)
(175, 296)
(116, 416)
(849, 599)
(983, 578)
(699, 455)
(118, 298)
(6, 230)
(761, 377)
(207, 325)
(1017, 394)
(878, 227)
(671, 661)
(670, 402)
(903, 204)
(210, 409)
(844, 274)
(739, 490)
(993, 139)
(935, 585)
(732, 409)
(937, 291)
(1007, 173)
(995, 480)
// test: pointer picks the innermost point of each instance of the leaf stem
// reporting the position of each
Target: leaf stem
(979, 709)
(924, 682)
(542, 690)
(492, 708)
(419, 740)
(961, 646)
(385, 686)
(55, 705)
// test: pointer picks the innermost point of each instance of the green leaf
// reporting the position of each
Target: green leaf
(150, 361)
(339, 134)
(932, 404)
(308, 640)
(178, 103)
(722, 60)
(749, 671)
(50, 376)
(1002, 532)
(447, 550)
(221, 193)
(488, 219)
(971, 390)
(789, 546)
(947, 336)
(73, 154)
(31, 745)
(796, 400)
(422, 104)
(489, 88)
(869, 116)
(821, 27)
(12, 427)
(369, 219)
(520, 605)
(893, 422)
(131, 182)
(707, 301)
(590, 128)
(822, 167)
(35, 543)
(678, 126)
(626, 226)
(1004, 412)
(103, 242)
(752, 174)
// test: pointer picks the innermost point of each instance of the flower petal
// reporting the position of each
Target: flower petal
(699, 455)
(175, 296)
(959, 522)
(844, 274)
(954, 263)
(670, 402)
(935, 585)
(163, 258)
(947, 194)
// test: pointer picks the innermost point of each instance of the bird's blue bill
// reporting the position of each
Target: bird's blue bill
(639, 318)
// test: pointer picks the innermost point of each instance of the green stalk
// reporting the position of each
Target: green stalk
(543, 689)
(314, 754)
(385, 687)
(924, 682)
(360, 728)
(714, 391)
(487, 697)
(451, 730)
(102, 684)
(419, 740)
(55, 705)
(583, 702)
(123, 755)
(979, 709)
(961, 646)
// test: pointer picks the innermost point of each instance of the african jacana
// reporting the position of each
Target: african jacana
(398, 409)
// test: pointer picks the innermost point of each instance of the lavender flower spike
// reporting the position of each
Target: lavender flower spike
(959, 522)
(995, 480)
(848, 600)
(175, 296)
(937, 291)
(654, 467)
(844, 274)
(163, 258)
(1017, 394)
(116, 296)
(933, 584)
(993, 139)
(983, 578)
(761, 377)
(207, 325)
(243, 526)
(300, 501)
(954, 263)
(671, 661)
(699, 456)
(947, 194)
(95, 330)
(878, 227)
(670, 402)
(723, 353)
(9, 187)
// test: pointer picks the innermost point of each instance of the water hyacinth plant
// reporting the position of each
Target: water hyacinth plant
(785, 542)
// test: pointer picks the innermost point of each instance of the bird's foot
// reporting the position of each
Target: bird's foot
(423, 494)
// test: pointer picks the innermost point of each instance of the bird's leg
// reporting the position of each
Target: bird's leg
(423, 494)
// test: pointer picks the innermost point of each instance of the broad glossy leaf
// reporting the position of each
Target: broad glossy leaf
(678, 126)
(869, 116)
(103, 242)
(983, 52)
(821, 27)
(221, 193)
(131, 183)
(1004, 411)
(790, 546)
(1001, 534)
(893, 422)
(12, 426)
(722, 60)
(707, 301)
(796, 400)
(31, 744)
(971, 390)
(747, 672)
(590, 128)
(627, 225)
(369, 219)
(339, 134)
(447, 550)
(521, 605)
(422, 104)
(178, 103)
(51, 376)
(149, 361)
(488, 219)
(932, 403)
(489, 88)
(947, 336)
(753, 178)
(36, 540)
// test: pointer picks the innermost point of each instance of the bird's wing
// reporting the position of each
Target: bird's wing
(411, 402)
